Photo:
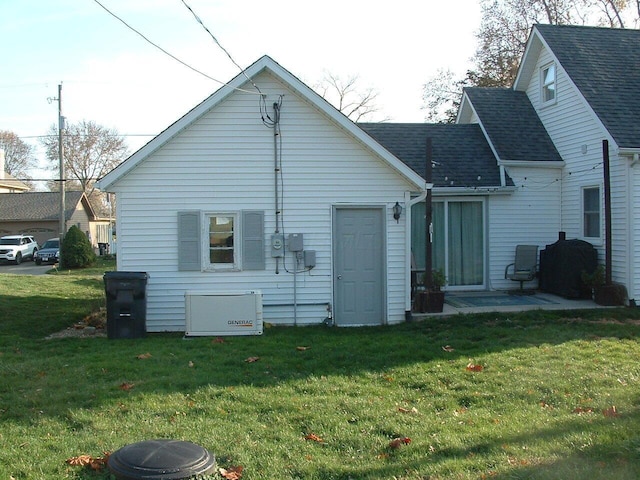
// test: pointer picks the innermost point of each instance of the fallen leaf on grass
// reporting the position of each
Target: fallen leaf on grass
(398, 442)
(252, 359)
(581, 410)
(231, 473)
(79, 461)
(126, 386)
(448, 348)
(406, 410)
(144, 356)
(95, 463)
(472, 367)
(610, 412)
(314, 438)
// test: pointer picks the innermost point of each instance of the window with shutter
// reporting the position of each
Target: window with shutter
(228, 239)
(189, 241)
(253, 245)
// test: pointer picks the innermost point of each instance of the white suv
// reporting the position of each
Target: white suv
(15, 248)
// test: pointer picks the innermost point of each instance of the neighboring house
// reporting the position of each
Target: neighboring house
(583, 86)
(38, 214)
(8, 184)
(203, 206)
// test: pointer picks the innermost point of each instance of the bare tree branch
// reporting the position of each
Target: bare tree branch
(90, 152)
(19, 157)
(346, 95)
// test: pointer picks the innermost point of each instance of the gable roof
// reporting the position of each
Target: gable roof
(40, 206)
(603, 65)
(460, 153)
(511, 124)
(242, 81)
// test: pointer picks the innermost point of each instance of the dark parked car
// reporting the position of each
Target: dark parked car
(49, 253)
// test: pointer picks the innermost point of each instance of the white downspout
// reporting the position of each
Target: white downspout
(409, 202)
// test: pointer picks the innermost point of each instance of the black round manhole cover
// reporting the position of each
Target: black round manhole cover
(161, 459)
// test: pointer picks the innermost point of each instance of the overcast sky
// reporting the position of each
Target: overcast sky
(112, 76)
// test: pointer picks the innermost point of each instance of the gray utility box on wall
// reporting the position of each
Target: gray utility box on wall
(126, 304)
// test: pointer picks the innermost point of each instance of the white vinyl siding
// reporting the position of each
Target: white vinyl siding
(578, 134)
(224, 162)
(531, 215)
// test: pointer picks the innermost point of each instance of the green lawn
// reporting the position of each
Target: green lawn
(536, 395)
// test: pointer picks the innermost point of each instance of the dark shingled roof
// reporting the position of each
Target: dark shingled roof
(461, 155)
(604, 63)
(36, 206)
(512, 124)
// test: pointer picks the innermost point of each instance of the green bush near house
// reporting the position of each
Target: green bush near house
(76, 250)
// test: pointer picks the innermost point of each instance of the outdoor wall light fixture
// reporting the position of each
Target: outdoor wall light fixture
(397, 211)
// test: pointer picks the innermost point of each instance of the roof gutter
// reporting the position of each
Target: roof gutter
(533, 163)
(472, 191)
(630, 152)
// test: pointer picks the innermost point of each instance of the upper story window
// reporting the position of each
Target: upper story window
(591, 212)
(548, 82)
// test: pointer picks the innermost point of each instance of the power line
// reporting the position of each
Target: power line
(165, 51)
(89, 135)
(219, 45)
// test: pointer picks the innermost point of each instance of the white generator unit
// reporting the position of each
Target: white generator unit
(223, 313)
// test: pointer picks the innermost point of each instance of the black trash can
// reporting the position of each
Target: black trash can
(126, 304)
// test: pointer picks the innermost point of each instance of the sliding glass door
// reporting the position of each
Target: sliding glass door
(458, 240)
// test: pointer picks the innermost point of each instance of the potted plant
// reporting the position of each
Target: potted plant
(431, 300)
(603, 293)
(593, 280)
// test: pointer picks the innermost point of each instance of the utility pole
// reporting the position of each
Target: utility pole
(61, 126)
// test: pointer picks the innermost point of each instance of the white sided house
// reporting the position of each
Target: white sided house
(582, 85)
(266, 187)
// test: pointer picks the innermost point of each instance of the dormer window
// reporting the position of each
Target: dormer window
(548, 82)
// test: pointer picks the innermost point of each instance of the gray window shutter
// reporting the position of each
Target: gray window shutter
(189, 241)
(253, 257)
